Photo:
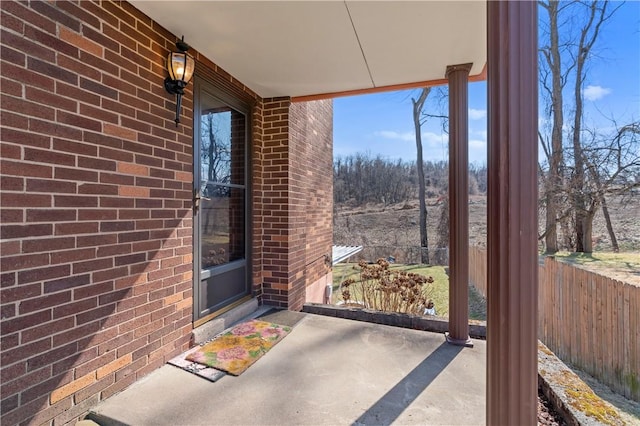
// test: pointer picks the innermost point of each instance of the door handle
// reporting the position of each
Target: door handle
(196, 200)
(197, 197)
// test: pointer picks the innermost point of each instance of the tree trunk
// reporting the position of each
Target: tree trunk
(574, 49)
(566, 233)
(583, 217)
(442, 244)
(607, 219)
(424, 236)
(554, 181)
(578, 182)
(588, 230)
(551, 236)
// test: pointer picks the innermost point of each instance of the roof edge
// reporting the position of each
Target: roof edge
(393, 87)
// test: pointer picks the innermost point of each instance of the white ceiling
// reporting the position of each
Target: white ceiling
(301, 48)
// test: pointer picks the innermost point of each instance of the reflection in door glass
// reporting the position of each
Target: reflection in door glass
(222, 147)
(223, 227)
(222, 177)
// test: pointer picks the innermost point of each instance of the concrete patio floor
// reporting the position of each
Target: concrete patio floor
(327, 371)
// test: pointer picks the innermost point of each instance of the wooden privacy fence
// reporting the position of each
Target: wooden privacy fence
(586, 319)
(478, 269)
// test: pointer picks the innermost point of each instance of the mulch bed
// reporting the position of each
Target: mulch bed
(546, 414)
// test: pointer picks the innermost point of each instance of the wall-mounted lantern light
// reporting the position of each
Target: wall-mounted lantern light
(180, 66)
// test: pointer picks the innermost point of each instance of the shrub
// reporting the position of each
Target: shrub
(388, 290)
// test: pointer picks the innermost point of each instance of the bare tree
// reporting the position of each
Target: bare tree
(607, 219)
(360, 179)
(597, 14)
(418, 105)
(569, 35)
(611, 166)
(215, 162)
(216, 152)
(552, 79)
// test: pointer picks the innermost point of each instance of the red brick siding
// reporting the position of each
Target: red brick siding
(96, 234)
(256, 210)
(296, 198)
(312, 161)
(274, 195)
(317, 166)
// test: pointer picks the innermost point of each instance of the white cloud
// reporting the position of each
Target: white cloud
(429, 139)
(477, 144)
(434, 140)
(477, 114)
(593, 93)
(390, 134)
(434, 144)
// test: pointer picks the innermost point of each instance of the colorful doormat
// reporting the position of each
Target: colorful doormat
(203, 371)
(237, 349)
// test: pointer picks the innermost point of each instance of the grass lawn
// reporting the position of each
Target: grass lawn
(630, 260)
(438, 290)
(622, 266)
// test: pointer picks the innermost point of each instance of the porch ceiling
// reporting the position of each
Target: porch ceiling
(303, 48)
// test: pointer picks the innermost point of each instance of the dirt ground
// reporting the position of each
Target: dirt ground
(392, 230)
(397, 224)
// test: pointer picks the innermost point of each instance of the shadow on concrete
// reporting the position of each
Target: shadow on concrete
(388, 408)
(327, 371)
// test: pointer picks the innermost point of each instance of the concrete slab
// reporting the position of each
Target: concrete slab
(327, 371)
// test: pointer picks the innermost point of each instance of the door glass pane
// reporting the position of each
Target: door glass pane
(222, 152)
(222, 225)
(222, 183)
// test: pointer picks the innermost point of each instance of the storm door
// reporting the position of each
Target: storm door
(220, 203)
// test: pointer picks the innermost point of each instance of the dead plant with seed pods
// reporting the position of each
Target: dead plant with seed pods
(387, 290)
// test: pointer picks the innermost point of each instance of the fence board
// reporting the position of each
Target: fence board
(634, 312)
(596, 330)
(626, 366)
(582, 320)
(587, 319)
(607, 359)
(621, 331)
(613, 299)
(576, 316)
(600, 331)
(570, 328)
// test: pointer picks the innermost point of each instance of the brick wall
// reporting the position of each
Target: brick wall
(96, 235)
(297, 198)
(318, 170)
(96, 221)
(257, 188)
(274, 192)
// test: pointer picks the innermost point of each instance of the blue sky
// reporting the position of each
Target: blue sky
(382, 124)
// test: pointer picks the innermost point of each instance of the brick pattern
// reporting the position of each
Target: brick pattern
(312, 160)
(298, 163)
(273, 203)
(257, 191)
(297, 198)
(96, 226)
(318, 169)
